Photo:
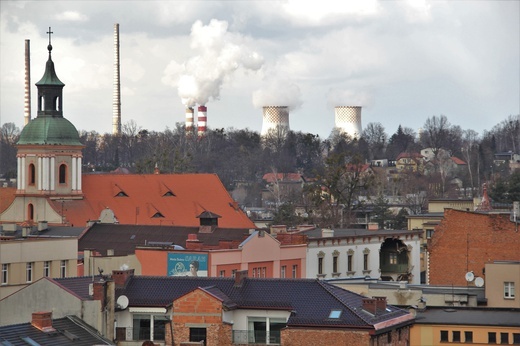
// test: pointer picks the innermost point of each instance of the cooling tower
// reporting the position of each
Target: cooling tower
(202, 120)
(348, 120)
(27, 99)
(189, 119)
(116, 104)
(275, 116)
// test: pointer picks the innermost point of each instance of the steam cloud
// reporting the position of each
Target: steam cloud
(220, 53)
(278, 93)
(337, 97)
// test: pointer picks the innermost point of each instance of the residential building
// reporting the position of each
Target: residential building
(45, 331)
(409, 162)
(503, 284)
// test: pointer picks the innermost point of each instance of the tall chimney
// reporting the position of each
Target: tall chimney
(274, 117)
(348, 120)
(202, 120)
(27, 100)
(189, 119)
(116, 104)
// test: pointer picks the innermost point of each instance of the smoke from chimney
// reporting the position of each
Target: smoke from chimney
(348, 120)
(27, 100)
(116, 104)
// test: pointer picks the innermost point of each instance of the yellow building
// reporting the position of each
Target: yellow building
(462, 326)
(502, 282)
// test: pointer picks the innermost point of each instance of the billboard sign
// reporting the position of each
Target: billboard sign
(187, 264)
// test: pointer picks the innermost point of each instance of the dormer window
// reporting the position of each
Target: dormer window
(169, 194)
(157, 215)
(121, 194)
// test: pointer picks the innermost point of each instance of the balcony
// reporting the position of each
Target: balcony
(394, 268)
(256, 337)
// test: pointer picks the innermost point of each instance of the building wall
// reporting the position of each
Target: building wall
(430, 334)
(109, 263)
(318, 337)
(17, 253)
(438, 206)
(466, 241)
(496, 276)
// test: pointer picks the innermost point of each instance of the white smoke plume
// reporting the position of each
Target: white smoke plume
(338, 97)
(278, 93)
(220, 53)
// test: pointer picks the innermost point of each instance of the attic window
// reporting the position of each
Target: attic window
(169, 194)
(157, 215)
(121, 194)
(335, 314)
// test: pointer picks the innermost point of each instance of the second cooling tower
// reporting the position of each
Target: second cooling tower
(275, 116)
(348, 120)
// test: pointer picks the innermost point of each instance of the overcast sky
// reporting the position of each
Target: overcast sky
(402, 61)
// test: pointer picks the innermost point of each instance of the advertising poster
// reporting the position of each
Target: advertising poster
(187, 264)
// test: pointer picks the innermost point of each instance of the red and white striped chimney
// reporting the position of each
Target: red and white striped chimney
(202, 120)
(189, 119)
(27, 100)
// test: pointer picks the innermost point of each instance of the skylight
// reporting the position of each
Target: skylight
(335, 314)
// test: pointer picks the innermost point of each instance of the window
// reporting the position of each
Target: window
(5, 274)
(509, 290)
(47, 268)
(63, 173)
(198, 334)
(468, 337)
(222, 273)
(32, 174)
(335, 314)
(492, 337)
(444, 336)
(389, 337)
(233, 273)
(365, 261)
(263, 272)
(504, 338)
(30, 211)
(335, 264)
(63, 268)
(392, 258)
(254, 272)
(320, 265)
(29, 271)
(429, 233)
(282, 271)
(265, 330)
(295, 271)
(455, 336)
(516, 338)
(349, 262)
(149, 327)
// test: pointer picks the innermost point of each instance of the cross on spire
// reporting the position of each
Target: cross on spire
(50, 33)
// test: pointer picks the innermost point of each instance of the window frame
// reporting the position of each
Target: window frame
(283, 270)
(46, 269)
(5, 274)
(295, 271)
(492, 337)
(444, 336)
(455, 336)
(468, 336)
(29, 267)
(63, 268)
(509, 290)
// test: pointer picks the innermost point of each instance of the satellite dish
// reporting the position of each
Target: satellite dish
(469, 276)
(479, 282)
(122, 302)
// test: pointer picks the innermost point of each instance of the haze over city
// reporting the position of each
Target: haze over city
(402, 61)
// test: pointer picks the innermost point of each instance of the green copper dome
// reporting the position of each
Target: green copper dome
(49, 131)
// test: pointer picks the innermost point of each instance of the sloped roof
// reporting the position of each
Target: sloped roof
(6, 197)
(272, 177)
(124, 238)
(70, 330)
(138, 198)
(457, 161)
(310, 300)
(409, 155)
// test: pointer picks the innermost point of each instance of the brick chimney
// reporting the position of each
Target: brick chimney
(193, 243)
(369, 304)
(380, 303)
(240, 277)
(121, 276)
(99, 291)
(42, 320)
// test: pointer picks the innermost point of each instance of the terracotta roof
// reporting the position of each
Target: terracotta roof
(409, 155)
(69, 330)
(6, 197)
(457, 161)
(124, 238)
(272, 177)
(311, 300)
(154, 199)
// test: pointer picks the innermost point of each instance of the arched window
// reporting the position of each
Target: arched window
(57, 103)
(32, 174)
(42, 103)
(63, 173)
(30, 211)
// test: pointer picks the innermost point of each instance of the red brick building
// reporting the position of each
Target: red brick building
(465, 241)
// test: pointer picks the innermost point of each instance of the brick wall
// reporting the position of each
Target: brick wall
(201, 310)
(466, 241)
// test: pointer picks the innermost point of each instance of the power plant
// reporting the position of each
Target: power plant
(202, 120)
(347, 120)
(274, 117)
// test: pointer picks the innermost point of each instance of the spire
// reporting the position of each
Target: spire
(485, 204)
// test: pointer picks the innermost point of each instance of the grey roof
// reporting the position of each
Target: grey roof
(51, 232)
(124, 238)
(70, 330)
(470, 316)
(339, 233)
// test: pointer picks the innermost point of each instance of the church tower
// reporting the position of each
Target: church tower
(49, 155)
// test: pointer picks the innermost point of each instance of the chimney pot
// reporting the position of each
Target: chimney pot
(121, 276)
(42, 320)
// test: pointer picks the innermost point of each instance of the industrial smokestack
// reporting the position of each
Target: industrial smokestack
(116, 105)
(189, 119)
(348, 120)
(27, 100)
(202, 120)
(274, 117)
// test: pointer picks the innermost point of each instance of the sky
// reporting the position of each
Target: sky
(401, 61)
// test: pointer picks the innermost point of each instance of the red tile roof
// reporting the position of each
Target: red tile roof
(272, 177)
(457, 161)
(6, 197)
(143, 199)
